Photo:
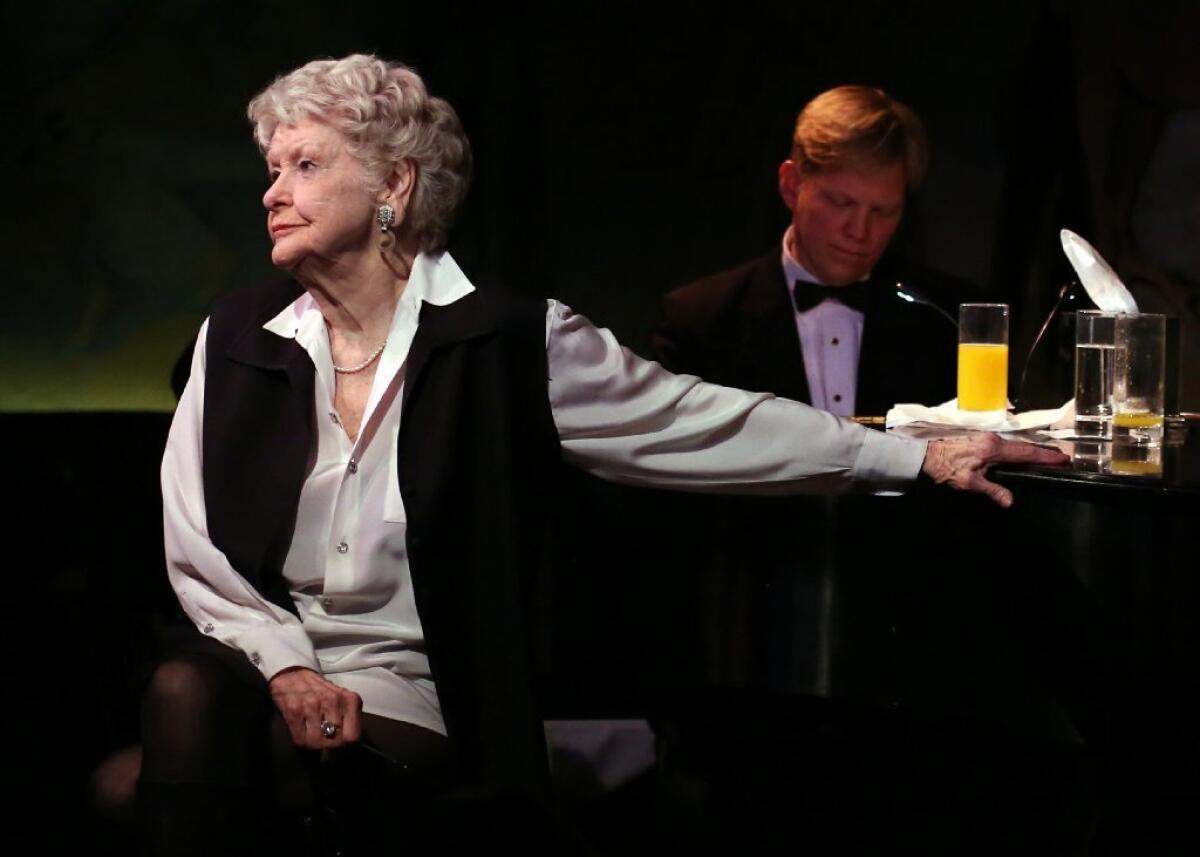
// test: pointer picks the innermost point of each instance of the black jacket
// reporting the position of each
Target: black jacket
(738, 328)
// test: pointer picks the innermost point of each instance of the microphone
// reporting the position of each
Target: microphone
(907, 293)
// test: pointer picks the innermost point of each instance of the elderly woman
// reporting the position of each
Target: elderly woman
(358, 473)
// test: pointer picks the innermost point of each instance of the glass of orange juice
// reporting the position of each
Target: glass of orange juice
(982, 357)
(1139, 363)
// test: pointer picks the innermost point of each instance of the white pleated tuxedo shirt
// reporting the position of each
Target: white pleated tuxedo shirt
(618, 416)
(830, 340)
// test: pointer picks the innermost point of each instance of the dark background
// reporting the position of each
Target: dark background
(621, 149)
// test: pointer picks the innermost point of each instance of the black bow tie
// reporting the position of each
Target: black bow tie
(857, 296)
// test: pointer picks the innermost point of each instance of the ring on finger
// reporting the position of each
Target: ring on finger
(328, 728)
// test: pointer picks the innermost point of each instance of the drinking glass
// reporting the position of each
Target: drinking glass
(982, 357)
(1093, 373)
(1143, 460)
(1139, 362)
(1091, 455)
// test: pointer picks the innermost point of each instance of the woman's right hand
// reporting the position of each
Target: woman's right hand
(306, 700)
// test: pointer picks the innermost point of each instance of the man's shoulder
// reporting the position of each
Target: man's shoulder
(722, 292)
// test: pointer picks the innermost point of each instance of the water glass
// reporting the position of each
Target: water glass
(1142, 460)
(1090, 455)
(1139, 363)
(1093, 373)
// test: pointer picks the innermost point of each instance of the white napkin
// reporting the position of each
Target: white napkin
(999, 421)
(1099, 280)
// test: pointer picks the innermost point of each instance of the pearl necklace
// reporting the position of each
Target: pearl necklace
(350, 370)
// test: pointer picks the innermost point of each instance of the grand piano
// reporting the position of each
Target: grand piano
(1026, 679)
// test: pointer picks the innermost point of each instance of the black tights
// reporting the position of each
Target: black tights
(220, 773)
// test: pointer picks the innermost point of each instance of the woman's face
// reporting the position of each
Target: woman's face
(318, 207)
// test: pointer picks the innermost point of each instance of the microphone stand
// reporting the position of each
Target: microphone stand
(1064, 294)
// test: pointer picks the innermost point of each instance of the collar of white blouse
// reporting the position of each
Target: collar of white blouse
(436, 280)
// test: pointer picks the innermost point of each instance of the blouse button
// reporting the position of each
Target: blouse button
(352, 466)
(327, 603)
(333, 418)
(343, 547)
(255, 658)
(208, 628)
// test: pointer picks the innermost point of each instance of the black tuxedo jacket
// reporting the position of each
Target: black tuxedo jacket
(738, 328)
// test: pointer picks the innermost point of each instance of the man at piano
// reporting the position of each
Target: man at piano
(828, 317)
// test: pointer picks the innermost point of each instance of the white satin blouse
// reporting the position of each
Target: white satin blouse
(618, 416)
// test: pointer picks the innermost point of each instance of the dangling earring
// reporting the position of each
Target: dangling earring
(386, 215)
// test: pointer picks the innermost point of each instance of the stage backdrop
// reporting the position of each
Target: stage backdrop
(618, 155)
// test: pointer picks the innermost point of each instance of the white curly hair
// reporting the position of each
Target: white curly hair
(387, 117)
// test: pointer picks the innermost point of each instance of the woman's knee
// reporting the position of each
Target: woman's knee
(201, 724)
(113, 785)
(180, 688)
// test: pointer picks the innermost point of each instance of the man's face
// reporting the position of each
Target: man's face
(842, 219)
